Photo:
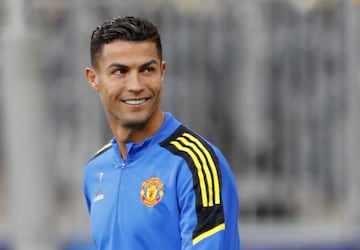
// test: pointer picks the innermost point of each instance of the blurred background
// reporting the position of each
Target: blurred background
(274, 83)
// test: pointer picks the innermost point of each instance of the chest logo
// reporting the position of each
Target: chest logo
(99, 194)
(151, 191)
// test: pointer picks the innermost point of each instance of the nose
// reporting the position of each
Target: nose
(134, 83)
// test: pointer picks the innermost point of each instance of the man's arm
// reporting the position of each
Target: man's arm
(205, 223)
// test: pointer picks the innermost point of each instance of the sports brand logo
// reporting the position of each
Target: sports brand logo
(151, 191)
(99, 194)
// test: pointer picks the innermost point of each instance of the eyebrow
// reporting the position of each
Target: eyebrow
(119, 65)
(148, 63)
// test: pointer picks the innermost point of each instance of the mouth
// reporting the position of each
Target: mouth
(135, 101)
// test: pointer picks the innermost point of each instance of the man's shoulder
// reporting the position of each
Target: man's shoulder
(185, 137)
(100, 153)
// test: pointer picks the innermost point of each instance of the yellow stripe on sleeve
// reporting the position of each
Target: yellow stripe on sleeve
(212, 166)
(204, 166)
(208, 233)
(199, 170)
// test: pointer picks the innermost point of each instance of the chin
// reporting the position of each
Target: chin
(134, 125)
(139, 119)
(135, 122)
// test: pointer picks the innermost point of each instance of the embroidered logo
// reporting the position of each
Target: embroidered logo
(99, 194)
(151, 191)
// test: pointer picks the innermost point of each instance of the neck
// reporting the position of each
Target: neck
(136, 134)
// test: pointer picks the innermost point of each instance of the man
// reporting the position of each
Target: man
(156, 184)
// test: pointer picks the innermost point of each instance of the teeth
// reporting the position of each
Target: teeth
(135, 102)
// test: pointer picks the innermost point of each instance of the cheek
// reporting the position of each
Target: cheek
(106, 96)
(158, 90)
(159, 84)
(109, 90)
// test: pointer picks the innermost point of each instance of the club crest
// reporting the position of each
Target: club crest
(151, 191)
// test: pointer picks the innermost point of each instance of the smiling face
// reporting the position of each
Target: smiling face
(128, 77)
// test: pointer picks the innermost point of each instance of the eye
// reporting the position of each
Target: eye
(148, 69)
(120, 71)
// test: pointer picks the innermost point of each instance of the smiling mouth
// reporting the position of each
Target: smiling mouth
(135, 101)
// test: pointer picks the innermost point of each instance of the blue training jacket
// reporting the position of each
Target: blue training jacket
(175, 191)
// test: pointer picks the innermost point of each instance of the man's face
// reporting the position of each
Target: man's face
(129, 77)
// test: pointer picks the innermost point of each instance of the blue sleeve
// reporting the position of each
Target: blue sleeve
(211, 225)
(207, 194)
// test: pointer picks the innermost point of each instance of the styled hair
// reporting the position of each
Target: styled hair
(126, 28)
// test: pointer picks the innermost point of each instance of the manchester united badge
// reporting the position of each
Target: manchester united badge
(151, 191)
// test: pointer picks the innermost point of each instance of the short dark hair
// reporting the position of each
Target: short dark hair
(127, 28)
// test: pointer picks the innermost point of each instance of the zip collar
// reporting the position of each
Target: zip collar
(169, 125)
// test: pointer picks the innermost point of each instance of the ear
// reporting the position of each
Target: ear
(163, 69)
(92, 78)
